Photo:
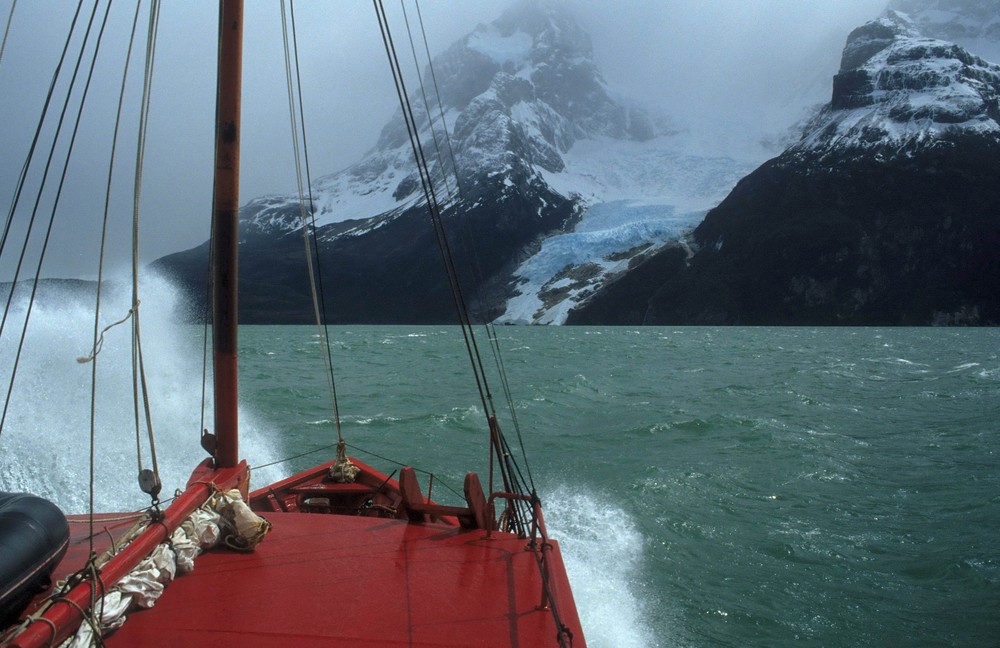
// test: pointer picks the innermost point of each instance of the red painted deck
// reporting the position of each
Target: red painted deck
(331, 580)
(323, 579)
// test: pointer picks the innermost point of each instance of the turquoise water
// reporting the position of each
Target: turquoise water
(709, 487)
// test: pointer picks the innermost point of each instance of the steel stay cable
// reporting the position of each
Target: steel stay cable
(444, 122)
(312, 216)
(424, 169)
(427, 106)
(420, 160)
(512, 479)
(48, 162)
(100, 273)
(490, 328)
(48, 233)
(508, 393)
(437, 91)
(400, 92)
(505, 459)
(38, 130)
(324, 340)
(6, 30)
(433, 207)
(504, 456)
(434, 211)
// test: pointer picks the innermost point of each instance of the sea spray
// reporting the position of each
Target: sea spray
(602, 549)
(46, 437)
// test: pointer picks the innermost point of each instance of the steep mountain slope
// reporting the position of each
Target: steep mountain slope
(885, 212)
(372, 222)
(560, 185)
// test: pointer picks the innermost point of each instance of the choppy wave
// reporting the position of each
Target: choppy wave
(603, 551)
(718, 486)
(46, 437)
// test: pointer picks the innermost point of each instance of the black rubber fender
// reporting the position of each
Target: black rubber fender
(34, 535)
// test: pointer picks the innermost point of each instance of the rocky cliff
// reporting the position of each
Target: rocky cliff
(887, 211)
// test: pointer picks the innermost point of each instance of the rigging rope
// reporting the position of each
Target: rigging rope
(342, 469)
(312, 215)
(34, 141)
(434, 210)
(477, 269)
(208, 313)
(510, 472)
(6, 30)
(491, 331)
(150, 483)
(427, 109)
(299, 153)
(511, 476)
(99, 341)
(437, 92)
(24, 168)
(48, 164)
(206, 318)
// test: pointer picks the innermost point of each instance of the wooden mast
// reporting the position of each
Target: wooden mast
(226, 203)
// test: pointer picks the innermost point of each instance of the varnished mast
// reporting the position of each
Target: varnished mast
(225, 239)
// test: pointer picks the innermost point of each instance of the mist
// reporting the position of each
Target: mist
(730, 70)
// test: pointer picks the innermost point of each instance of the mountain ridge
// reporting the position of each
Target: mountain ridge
(577, 207)
(538, 140)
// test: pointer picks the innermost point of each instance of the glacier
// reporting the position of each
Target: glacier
(636, 198)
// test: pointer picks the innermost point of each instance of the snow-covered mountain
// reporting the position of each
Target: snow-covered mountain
(561, 184)
(899, 89)
(516, 95)
(573, 205)
(884, 212)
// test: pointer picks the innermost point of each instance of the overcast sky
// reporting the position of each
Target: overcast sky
(744, 64)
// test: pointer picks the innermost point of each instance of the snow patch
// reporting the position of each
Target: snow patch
(914, 91)
(502, 49)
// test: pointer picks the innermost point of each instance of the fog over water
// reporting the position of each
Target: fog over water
(734, 71)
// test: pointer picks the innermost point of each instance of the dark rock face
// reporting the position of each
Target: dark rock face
(887, 212)
(393, 273)
(852, 89)
(907, 242)
(868, 40)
